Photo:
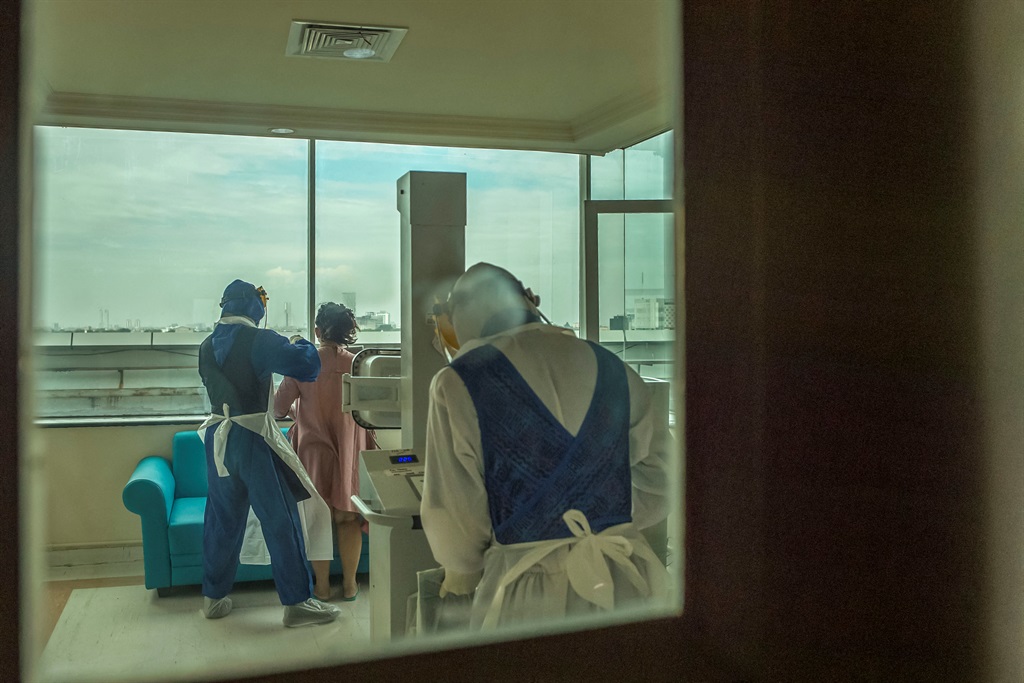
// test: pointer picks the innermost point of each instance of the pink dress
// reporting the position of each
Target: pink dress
(326, 439)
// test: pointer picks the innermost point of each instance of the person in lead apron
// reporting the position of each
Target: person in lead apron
(250, 464)
(544, 460)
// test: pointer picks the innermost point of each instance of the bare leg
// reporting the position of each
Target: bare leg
(322, 577)
(350, 546)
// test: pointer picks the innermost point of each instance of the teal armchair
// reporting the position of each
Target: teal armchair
(170, 499)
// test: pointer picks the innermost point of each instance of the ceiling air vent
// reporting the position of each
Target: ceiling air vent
(340, 41)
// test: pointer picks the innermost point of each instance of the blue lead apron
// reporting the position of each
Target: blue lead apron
(546, 487)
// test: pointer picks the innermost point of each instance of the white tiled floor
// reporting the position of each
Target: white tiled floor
(129, 633)
(124, 633)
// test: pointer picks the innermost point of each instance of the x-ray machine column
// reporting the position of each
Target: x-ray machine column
(433, 212)
(433, 255)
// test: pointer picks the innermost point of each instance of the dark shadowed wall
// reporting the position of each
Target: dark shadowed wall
(854, 187)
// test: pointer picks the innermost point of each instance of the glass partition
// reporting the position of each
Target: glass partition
(162, 239)
(136, 233)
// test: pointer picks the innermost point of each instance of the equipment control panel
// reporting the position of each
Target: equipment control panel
(391, 481)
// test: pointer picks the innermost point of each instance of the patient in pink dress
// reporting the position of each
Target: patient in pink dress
(328, 441)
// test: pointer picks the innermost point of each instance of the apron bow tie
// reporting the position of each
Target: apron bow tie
(585, 565)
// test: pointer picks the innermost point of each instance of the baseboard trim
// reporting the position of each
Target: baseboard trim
(94, 562)
(96, 544)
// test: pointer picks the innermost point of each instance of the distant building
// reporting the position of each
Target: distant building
(620, 322)
(375, 321)
(646, 314)
(668, 318)
(654, 313)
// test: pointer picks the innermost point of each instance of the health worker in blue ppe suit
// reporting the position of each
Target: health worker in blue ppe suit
(545, 458)
(261, 505)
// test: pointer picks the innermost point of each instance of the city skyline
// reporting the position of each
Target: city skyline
(652, 313)
(375, 318)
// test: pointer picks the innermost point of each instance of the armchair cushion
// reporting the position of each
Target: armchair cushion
(189, 465)
(185, 532)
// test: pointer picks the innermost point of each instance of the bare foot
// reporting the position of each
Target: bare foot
(322, 594)
(349, 593)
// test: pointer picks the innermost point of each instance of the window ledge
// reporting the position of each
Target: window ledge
(192, 421)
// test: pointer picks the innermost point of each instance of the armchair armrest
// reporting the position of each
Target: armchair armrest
(149, 493)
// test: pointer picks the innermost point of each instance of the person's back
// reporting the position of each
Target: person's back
(536, 443)
(560, 368)
(234, 382)
(251, 466)
(316, 406)
(328, 441)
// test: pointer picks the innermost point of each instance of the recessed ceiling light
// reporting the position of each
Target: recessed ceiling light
(282, 131)
(359, 53)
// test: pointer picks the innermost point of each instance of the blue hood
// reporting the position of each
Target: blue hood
(240, 298)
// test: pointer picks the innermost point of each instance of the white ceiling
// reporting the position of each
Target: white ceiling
(560, 75)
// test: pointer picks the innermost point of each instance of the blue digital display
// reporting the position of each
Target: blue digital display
(399, 459)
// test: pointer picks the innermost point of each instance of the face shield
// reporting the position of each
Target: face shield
(445, 341)
(481, 316)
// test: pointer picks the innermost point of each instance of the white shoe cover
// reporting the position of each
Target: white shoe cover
(215, 609)
(310, 612)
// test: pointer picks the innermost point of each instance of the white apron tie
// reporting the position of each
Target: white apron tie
(585, 565)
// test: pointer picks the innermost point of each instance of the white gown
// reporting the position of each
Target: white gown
(581, 574)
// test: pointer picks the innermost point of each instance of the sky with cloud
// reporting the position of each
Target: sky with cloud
(150, 226)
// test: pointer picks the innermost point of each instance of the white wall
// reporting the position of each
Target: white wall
(86, 469)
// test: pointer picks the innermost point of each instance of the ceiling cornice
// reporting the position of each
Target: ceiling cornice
(102, 107)
(593, 133)
(621, 109)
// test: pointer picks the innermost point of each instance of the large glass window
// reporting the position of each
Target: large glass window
(522, 213)
(634, 279)
(637, 301)
(138, 234)
(142, 230)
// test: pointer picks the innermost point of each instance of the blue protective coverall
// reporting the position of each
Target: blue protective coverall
(237, 362)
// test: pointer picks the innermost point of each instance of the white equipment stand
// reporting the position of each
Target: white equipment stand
(391, 486)
(433, 213)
